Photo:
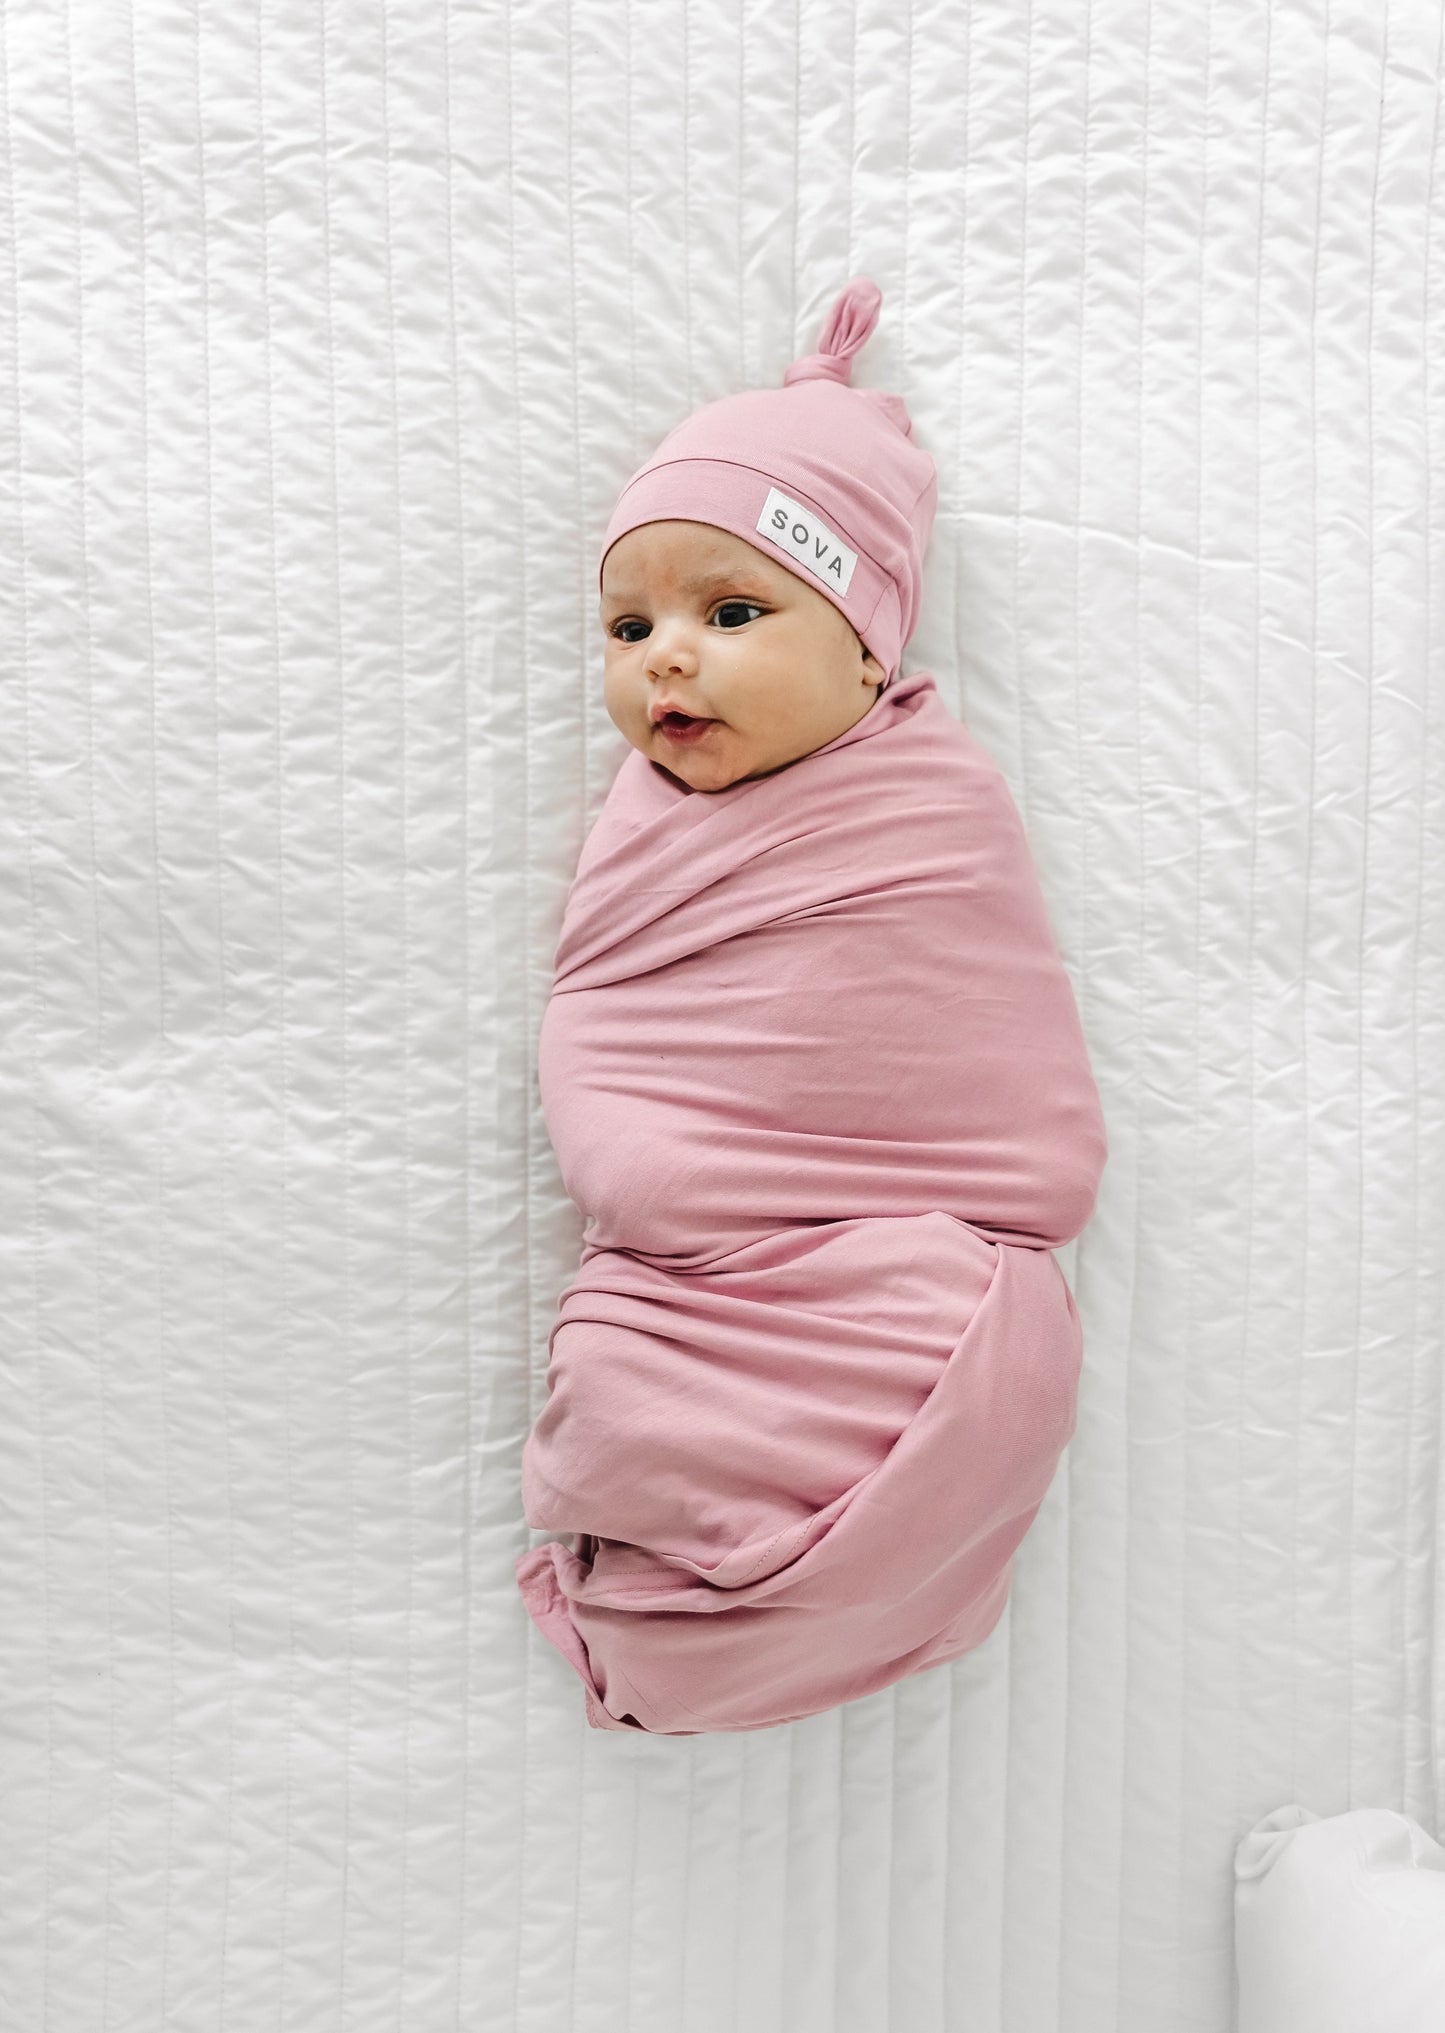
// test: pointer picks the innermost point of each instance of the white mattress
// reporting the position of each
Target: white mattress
(327, 345)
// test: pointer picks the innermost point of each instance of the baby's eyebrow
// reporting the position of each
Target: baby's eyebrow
(704, 582)
(738, 581)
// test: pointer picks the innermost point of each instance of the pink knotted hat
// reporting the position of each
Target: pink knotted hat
(822, 476)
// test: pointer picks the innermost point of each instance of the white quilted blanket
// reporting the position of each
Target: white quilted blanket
(327, 335)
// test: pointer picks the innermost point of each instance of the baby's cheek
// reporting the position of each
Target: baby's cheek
(624, 692)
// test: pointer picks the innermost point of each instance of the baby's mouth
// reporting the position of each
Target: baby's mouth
(683, 726)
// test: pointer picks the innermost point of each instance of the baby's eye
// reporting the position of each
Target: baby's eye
(621, 625)
(740, 610)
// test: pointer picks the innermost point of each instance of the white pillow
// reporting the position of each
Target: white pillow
(1339, 1924)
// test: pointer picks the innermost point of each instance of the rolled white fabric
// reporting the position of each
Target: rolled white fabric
(1339, 1924)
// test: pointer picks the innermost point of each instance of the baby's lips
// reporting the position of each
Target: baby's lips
(662, 711)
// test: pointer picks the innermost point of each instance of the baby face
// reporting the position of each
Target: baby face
(699, 622)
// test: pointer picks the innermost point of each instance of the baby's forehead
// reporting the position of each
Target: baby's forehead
(688, 557)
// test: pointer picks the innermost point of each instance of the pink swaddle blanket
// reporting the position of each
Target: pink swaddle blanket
(814, 1073)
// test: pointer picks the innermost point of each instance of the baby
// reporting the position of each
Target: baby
(813, 1072)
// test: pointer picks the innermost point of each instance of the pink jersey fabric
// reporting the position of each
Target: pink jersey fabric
(814, 1073)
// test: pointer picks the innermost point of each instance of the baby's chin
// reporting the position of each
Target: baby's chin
(715, 762)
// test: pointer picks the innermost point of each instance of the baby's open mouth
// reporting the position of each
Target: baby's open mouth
(683, 726)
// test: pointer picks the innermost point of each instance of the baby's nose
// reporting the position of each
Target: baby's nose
(670, 652)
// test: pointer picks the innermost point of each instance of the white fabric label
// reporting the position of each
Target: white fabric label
(806, 537)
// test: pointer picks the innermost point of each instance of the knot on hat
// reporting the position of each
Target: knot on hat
(848, 324)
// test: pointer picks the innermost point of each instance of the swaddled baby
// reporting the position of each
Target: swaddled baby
(814, 1075)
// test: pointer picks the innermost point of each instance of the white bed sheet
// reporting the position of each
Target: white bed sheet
(330, 334)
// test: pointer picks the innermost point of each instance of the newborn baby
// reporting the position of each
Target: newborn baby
(814, 1075)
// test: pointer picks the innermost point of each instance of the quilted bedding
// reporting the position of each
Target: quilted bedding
(327, 337)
